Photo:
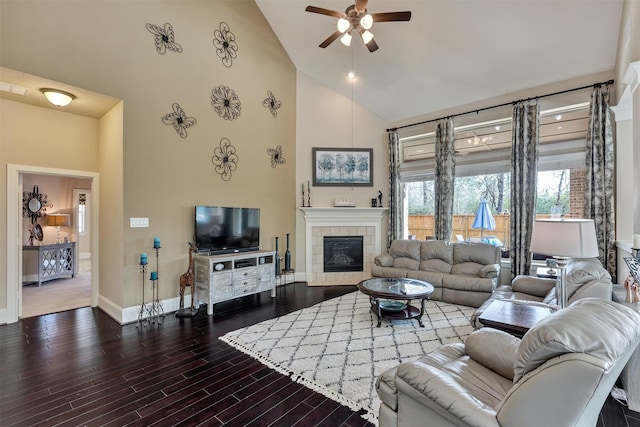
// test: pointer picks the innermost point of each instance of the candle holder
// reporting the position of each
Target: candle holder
(142, 320)
(156, 312)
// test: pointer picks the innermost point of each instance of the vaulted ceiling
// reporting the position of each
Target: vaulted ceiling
(452, 52)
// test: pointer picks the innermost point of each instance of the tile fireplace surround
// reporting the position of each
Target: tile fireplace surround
(320, 222)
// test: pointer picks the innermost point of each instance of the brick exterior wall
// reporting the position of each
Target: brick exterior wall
(576, 191)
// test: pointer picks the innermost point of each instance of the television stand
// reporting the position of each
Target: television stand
(221, 278)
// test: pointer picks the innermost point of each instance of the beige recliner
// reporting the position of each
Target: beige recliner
(559, 374)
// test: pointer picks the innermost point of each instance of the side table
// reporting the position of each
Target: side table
(513, 317)
(630, 381)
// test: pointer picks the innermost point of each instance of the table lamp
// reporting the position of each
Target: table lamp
(564, 239)
(58, 220)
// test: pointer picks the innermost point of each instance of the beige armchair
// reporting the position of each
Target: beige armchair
(559, 374)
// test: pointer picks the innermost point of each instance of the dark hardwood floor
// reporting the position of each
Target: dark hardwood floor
(80, 367)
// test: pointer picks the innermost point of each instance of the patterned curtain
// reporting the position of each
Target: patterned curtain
(395, 226)
(524, 175)
(599, 180)
(445, 178)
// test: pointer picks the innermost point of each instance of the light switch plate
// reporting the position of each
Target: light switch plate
(138, 222)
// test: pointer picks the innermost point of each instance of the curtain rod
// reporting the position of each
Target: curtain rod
(608, 82)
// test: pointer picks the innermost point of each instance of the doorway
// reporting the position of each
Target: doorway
(15, 233)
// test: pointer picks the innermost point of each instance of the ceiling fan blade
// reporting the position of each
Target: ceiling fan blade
(391, 16)
(322, 11)
(361, 5)
(330, 39)
(372, 45)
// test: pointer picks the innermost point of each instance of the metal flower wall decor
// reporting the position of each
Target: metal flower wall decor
(272, 103)
(165, 38)
(226, 102)
(179, 120)
(276, 156)
(225, 44)
(225, 159)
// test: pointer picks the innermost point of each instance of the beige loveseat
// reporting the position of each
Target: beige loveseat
(461, 273)
(585, 277)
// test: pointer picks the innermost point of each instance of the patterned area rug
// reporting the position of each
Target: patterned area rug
(335, 348)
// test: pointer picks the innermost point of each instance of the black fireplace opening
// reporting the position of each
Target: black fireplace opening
(342, 253)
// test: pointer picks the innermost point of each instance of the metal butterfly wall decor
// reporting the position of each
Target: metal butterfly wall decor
(225, 42)
(165, 38)
(179, 120)
(276, 156)
(272, 103)
(225, 159)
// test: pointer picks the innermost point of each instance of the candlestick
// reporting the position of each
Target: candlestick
(154, 275)
(143, 258)
(156, 242)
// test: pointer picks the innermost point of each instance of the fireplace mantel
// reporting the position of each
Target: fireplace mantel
(339, 217)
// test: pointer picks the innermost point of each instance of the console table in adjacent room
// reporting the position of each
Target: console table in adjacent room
(51, 261)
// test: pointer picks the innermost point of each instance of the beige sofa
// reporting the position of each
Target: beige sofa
(585, 277)
(559, 374)
(461, 273)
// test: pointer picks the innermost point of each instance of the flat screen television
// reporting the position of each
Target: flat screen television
(222, 230)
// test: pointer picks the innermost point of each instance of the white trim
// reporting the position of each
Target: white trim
(130, 314)
(14, 233)
(624, 110)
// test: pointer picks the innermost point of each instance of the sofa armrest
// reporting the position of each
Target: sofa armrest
(490, 271)
(597, 289)
(536, 286)
(384, 260)
(435, 388)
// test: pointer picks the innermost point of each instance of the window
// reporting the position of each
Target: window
(483, 172)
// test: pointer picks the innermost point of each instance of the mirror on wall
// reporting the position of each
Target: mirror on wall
(34, 204)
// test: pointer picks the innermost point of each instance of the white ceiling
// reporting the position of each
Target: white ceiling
(452, 52)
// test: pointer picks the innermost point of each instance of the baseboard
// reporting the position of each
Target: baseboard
(3, 316)
(84, 255)
(130, 314)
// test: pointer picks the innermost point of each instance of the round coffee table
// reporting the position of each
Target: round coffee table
(391, 298)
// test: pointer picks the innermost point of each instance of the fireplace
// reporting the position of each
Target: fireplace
(342, 253)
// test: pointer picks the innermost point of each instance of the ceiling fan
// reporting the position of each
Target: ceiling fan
(357, 19)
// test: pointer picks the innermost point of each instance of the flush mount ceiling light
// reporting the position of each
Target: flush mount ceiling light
(57, 97)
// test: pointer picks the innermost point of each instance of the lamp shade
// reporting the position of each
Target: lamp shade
(570, 238)
(58, 220)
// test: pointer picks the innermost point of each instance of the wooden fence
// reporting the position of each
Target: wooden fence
(422, 227)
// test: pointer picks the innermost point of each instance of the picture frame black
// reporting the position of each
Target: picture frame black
(342, 167)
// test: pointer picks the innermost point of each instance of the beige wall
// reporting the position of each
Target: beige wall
(27, 135)
(104, 46)
(328, 119)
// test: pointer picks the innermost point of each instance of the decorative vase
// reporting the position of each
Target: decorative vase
(287, 257)
(277, 260)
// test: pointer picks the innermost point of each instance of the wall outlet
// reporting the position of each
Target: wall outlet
(138, 222)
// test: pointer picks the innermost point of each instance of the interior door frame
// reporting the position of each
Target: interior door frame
(14, 232)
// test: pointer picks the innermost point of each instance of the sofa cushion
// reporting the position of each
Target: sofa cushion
(405, 253)
(437, 250)
(476, 252)
(432, 277)
(435, 265)
(468, 269)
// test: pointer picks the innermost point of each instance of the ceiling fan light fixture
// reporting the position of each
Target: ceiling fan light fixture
(57, 97)
(366, 21)
(346, 39)
(343, 25)
(367, 36)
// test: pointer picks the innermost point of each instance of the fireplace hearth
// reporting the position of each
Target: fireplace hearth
(342, 253)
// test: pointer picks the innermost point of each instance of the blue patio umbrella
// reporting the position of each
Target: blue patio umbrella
(484, 219)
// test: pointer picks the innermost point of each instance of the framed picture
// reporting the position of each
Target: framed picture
(348, 167)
